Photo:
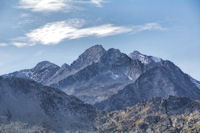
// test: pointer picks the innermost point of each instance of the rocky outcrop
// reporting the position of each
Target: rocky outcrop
(173, 114)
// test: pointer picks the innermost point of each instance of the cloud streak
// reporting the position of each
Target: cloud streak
(55, 5)
(3, 44)
(54, 33)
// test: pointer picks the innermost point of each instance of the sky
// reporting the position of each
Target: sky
(60, 30)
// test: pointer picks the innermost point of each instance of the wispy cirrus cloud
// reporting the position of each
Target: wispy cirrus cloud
(3, 44)
(55, 5)
(148, 26)
(21, 44)
(54, 33)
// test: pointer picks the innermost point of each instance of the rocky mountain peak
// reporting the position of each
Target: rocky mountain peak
(93, 54)
(44, 65)
(65, 66)
(114, 56)
(136, 55)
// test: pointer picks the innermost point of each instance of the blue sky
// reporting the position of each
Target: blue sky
(60, 30)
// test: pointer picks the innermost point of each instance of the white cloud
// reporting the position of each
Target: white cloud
(3, 44)
(20, 44)
(54, 5)
(42, 5)
(98, 3)
(54, 33)
(148, 26)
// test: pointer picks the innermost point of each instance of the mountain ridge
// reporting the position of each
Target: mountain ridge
(27, 101)
(97, 74)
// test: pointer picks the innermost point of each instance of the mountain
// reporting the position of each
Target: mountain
(100, 80)
(173, 114)
(161, 81)
(197, 83)
(40, 73)
(136, 55)
(64, 71)
(98, 74)
(110, 80)
(91, 55)
(24, 101)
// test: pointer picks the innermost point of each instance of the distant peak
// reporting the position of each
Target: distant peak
(92, 54)
(95, 48)
(65, 66)
(114, 51)
(44, 64)
(136, 55)
(136, 52)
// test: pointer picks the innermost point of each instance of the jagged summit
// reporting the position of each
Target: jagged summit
(136, 55)
(92, 54)
(40, 73)
(45, 65)
(114, 56)
(98, 74)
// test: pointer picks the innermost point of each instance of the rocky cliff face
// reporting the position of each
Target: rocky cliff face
(91, 55)
(173, 114)
(102, 79)
(161, 81)
(29, 102)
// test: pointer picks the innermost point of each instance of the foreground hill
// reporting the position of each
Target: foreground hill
(170, 115)
(27, 106)
(25, 101)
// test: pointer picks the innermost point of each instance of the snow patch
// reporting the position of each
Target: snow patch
(156, 59)
(129, 77)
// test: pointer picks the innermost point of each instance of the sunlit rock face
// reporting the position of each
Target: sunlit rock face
(171, 114)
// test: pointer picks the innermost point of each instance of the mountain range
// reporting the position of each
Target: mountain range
(98, 74)
(112, 87)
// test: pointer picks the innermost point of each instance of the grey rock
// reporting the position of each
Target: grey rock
(40, 73)
(171, 114)
(161, 81)
(91, 55)
(136, 55)
(26, 101)
(102, 79)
